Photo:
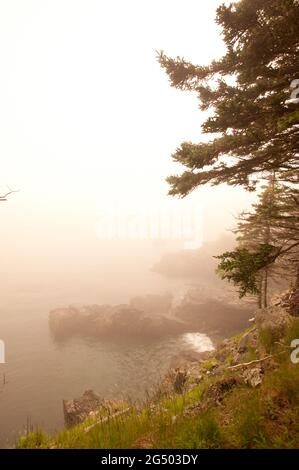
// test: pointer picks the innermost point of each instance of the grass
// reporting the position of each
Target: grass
(292, 332)
(251, 354)
(250, 423)
(196, 433)
(34, 440)
(209, 364)
(262, 417)
(268, 338)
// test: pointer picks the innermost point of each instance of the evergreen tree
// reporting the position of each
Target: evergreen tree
(254, 124)
(259, 229)
(268, 242)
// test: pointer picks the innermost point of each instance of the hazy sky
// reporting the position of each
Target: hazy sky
(87, 117)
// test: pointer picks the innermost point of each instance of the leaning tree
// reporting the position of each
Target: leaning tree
(253, 118)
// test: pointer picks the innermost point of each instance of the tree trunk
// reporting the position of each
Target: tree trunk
(260, 294)
(268, 241)
(266, 288)
(297, 279)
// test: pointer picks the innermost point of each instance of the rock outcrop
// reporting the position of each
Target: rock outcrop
(219, 312)
(90, 405)
(112, 321)
(77, 410)
(153, 316)
(289, 301)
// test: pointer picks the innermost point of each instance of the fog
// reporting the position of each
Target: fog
(88, 120)
(88, 125)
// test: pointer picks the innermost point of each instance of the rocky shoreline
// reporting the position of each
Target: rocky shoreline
(190, 369)
(249, 378)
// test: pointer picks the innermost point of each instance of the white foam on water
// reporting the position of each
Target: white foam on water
(198, 341)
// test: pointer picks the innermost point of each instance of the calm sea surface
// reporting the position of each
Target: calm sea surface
(39, 373)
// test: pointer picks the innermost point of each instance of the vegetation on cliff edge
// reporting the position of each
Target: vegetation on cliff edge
(217, 408)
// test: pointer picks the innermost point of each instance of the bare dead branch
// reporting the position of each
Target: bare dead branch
(256, 361)
(246, 364)
(10, 191)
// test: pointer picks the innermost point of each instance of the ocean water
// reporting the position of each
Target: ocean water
(39, 372)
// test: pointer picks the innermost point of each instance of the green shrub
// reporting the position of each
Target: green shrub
(209, 364)
(286, 382)
(198, 433)
(292, 332)
(269, 336)
(250, 426)
(34, 440)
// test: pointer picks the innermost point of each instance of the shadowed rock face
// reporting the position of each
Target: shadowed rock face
(289, 300)
(77, 410)
(90, 405)
(214, 316)
(145, 317)
(107, 321)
